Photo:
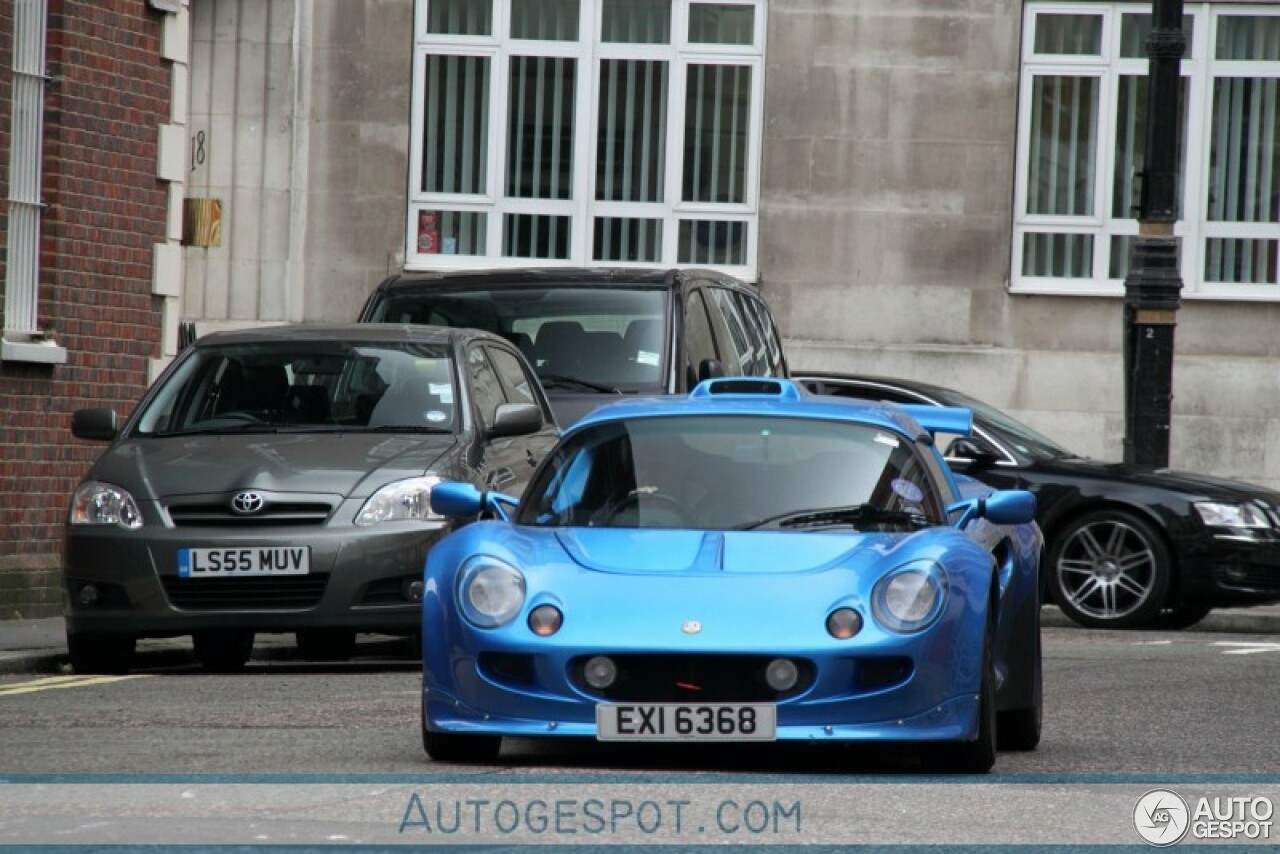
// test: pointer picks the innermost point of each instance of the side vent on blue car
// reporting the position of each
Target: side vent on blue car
(748, 386)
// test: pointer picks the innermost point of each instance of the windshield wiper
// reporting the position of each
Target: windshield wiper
(408, 428)
(225, 429)
(845, 515)
(563, 381)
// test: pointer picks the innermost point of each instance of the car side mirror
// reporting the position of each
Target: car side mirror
(457, 500)
(710, 369)
(1003, 507)
(515, 419)
(971, 451)
(99, 424)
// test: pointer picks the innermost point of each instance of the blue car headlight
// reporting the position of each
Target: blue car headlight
(910, 598)
(490, 591)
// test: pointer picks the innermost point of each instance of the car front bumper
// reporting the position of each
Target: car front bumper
(1231, 569)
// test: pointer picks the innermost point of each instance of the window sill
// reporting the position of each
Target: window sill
(44, 352)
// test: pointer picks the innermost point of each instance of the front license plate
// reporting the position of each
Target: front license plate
(686, 722)
(244, 560)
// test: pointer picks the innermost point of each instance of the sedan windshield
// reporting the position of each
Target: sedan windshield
(314, 385)
(732, 472)
(597, 339)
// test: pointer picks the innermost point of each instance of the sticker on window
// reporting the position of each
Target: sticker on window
(444, 391)
(435, 416)
(906, 490)
(646, 357)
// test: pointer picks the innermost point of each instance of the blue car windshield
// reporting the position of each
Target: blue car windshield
(305, 386)
(734, 472)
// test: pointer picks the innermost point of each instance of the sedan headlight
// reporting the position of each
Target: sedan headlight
(97, 503)
(490, 591)
(400, 501)
(910, 598)
(1220, 514)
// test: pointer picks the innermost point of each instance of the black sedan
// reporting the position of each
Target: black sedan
(1126, 547)
(279, 480)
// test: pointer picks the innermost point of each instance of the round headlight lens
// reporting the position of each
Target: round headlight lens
(910, 599)
(98, 503)
(491, 592)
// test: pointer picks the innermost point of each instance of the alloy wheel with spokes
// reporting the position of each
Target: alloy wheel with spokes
(1110, 569)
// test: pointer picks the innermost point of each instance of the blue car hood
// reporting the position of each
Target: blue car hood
(673, 551)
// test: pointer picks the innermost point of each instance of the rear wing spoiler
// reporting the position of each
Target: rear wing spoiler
(941, 419)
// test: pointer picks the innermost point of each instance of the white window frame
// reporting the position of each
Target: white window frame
(582, 207)
(1198, 69)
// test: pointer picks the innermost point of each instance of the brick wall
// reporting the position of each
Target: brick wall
(109, 92)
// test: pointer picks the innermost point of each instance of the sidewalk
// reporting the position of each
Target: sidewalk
(38, 646)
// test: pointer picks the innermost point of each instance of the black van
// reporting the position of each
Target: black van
(593, 334)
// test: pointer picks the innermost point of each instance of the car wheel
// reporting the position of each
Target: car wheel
(326, 645)
(99, 653)
(977, 756)
(224, 651)
(1110, 569)
(1179, 617)
(1019, 729)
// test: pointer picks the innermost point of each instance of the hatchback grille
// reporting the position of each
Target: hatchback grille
(275, 513)
(693, 678)
(225, 594)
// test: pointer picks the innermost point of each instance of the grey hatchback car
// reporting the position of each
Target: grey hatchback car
(279, 480)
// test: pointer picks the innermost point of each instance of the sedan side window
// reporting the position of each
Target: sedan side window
(486, 389)
(744, 357)
(700, 343)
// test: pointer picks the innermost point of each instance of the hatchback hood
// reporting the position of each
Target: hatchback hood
(350, 464)
(666, 551)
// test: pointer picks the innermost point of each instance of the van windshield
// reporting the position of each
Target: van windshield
(577, 338)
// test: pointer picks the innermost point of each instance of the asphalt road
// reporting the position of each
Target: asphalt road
(1124, 711)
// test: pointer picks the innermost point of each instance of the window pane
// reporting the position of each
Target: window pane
(1248, 37)
(619, 239)
(1063, 152)
(705, 241)
(451, 232)
(456, 131)
(460, 17)
(546, 20)
(1075, 35)
(717, 117)
(1062, 256)
(535, 236)
(1240, 261)
(1135, 28)
(637, 21)
(1130, 151)
(1244, 161)
(631, 146)
(540, 118)
(1122, 253)
(716, 23)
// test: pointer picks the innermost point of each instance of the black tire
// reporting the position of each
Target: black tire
(326, 645)
(1179, 617)
(101, 653)
(1019, 729)
(223, 651)
(979, 755)
(1110, 569)
(463, 748)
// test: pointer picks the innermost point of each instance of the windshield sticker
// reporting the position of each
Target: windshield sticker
(886, 439)
(435, 416)
(907, 491)
(444, 391)
(645, 357)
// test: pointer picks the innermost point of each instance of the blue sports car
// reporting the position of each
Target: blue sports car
(751, 562)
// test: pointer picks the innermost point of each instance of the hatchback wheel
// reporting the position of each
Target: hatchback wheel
(1110, 569)
(100, 653)
(326, 645)
(224, 651)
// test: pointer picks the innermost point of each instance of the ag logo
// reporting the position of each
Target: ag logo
(1161, 817)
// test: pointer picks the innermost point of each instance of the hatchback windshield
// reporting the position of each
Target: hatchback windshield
(734, 472)
(305, 386)
(577, 338)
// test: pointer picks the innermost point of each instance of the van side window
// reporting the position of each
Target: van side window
(759, 312)
(484, 385)
(744, 357)
(700, 343)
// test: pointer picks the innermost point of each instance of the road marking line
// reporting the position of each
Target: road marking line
(56, 682)
(1153, 643)
(1247, 647)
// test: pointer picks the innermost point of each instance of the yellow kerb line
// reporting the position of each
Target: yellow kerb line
(52, 682)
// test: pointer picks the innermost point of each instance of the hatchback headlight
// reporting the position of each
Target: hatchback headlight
(490, 591)
(910, 598)
(97, 503)
(1221, 514)
(400, 501)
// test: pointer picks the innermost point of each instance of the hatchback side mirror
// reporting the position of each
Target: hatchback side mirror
(99, 424)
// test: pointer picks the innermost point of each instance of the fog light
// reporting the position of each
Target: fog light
(781, 674)
(545, 620)
(87, 594)
(600, 672)
(413, 590)
(844, 623)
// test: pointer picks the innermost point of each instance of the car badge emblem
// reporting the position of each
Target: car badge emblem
(245, 503)
(691, 627)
